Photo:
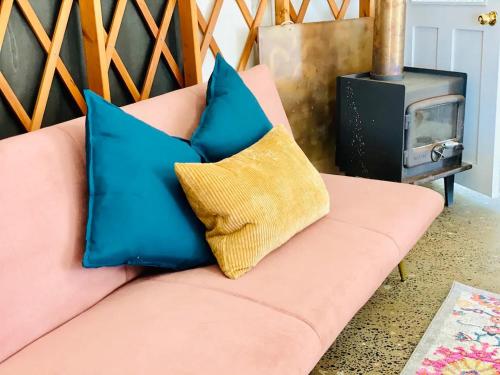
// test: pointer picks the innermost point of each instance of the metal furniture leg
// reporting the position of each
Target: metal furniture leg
(403, 272)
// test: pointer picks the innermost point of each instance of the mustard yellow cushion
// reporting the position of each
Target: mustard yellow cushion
(254, 201)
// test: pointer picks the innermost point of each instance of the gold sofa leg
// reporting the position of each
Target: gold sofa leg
(403, 272)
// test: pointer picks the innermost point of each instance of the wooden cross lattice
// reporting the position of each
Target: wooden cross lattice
(53, 63)
(285, 12)
(101, 46)
(337, 13)
(207, 28)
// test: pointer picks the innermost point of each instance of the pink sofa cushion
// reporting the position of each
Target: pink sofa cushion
(277, 319)
(42, 200)
(326, 273)
(160, 327)
(43, 203)
(400, 211)
(322, 276)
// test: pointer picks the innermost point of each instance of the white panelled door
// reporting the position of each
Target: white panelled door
(448, 36)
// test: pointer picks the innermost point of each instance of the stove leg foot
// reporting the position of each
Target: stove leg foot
(403, 272)
(449, 185)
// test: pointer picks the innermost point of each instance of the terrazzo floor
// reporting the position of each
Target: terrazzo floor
(463, 244)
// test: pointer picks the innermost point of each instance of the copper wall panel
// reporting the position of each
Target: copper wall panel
(305, 60)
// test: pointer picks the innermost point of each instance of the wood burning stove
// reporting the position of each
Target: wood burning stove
(409, 130)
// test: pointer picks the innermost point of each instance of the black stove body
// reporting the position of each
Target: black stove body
(409, 130)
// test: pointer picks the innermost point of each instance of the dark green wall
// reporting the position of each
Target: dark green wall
(22, 60)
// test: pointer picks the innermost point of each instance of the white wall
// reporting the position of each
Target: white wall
(231, 30)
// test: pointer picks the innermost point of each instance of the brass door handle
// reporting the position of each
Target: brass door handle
(488, 18)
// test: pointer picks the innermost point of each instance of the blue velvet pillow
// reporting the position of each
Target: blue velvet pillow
(137, 213)
(233, 119)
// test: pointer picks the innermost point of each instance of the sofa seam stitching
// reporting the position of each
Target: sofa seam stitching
(398, 248)
(249, 299)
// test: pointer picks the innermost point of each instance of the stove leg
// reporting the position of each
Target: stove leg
(449, 185)
(403, 272)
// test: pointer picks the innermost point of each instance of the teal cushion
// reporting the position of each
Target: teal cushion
(233, 119)
(137, 213)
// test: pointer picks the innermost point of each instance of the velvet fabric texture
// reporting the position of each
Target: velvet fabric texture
(137, 212)
(30, 307)
(278, 319)
(232, 119)
(254, 201)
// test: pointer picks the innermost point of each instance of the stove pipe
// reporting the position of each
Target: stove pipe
(388, 40)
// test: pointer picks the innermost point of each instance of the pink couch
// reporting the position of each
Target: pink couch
(59, 318)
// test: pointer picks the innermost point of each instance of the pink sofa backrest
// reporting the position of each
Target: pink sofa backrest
(43, 202)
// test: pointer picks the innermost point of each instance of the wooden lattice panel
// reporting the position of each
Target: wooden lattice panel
(53, 62)
(100, 46)
(207, 27)
(337, 13)
(285, 12)
(101, 52)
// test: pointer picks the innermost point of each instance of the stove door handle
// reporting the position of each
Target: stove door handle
(453, 145)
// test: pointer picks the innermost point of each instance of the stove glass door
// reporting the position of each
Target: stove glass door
(433, 122)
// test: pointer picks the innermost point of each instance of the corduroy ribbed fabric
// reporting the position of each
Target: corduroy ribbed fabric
(254, 201)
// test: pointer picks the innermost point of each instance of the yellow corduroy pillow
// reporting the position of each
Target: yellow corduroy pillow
(254, 201)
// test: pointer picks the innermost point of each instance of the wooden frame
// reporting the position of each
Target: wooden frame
(190, 41)
(53, 63)
(93, 42)
(100, 46)
(282, 11)
(285, 11)
(194, 24)
(366, 8)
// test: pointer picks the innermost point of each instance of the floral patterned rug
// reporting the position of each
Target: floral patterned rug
(463, 338)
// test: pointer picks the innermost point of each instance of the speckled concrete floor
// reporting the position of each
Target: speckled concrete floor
(463, 244)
